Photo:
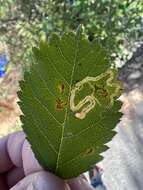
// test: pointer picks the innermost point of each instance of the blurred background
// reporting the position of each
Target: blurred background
(118, 24)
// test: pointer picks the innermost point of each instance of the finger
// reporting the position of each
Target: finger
(14, 176)
(5, 162)
(40, 181)
(21, 154)
(14, 146)
(80, 184)
(30, 164)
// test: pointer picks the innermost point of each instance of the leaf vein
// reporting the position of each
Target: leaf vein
(38, 100)
(53, 65)
(44, 81)
(61, 52)
(42, 133)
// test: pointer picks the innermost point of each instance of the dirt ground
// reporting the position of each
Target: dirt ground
(9, 109)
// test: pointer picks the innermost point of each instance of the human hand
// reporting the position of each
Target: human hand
(19, 170)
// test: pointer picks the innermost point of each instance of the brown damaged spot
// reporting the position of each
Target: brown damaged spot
(89, 151)
(102, 90)
(60, 104)
(61, 88)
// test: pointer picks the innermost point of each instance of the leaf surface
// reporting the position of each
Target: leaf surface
(69, 105)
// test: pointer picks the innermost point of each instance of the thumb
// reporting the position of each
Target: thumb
(41, 181)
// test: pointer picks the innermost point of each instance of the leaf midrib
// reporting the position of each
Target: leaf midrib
(63, 127)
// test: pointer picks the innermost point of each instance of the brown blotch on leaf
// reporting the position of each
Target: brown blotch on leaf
(104, 92)
(61, 88)
(59, 104)
(89, 151)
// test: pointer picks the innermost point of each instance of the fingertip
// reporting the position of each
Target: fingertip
(14, 147)
(30, 164)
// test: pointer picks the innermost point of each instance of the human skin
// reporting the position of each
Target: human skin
(19, 170)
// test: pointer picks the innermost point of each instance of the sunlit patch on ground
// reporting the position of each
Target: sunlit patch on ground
(9, 110)
(9, 117)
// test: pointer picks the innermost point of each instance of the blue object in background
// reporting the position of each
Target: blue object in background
(2, 73)
(3, 62)
(3, 59)
(97, 182)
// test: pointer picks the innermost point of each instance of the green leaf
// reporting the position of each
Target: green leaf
(69, 105)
